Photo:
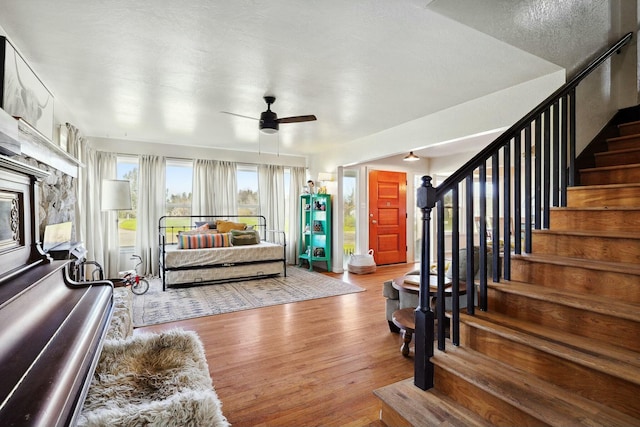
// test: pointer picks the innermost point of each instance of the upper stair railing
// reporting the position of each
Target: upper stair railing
(508, 190)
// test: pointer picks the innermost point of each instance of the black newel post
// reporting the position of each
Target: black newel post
(424, 318)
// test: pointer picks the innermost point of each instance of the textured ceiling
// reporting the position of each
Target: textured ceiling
(162, 71)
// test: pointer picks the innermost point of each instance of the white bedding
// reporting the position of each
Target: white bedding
(264, 251)
(200, 257)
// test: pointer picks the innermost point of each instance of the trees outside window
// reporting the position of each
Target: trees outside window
(127, 169)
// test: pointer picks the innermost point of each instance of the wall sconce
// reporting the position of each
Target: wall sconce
(411, 157)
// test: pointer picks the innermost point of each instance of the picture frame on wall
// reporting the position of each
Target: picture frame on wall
(22, 93)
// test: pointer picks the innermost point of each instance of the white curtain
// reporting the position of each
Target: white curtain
(151, 201)
(76, 145)
(271, 195)
(215, 188)
(96, 229)
(297, 181)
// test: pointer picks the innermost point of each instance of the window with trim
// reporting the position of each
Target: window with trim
(248, 198)
(179, 178)
(127, 169)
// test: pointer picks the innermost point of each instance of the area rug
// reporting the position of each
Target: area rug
(156, 306)
(153, 380)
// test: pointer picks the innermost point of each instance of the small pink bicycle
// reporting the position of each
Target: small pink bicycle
(139, 285)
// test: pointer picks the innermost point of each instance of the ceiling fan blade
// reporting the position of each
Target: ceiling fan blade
(297, 119)
(239, 115)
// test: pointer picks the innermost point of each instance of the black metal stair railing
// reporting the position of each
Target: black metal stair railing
(508, 190)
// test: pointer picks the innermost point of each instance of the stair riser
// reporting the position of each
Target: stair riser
(607, 284)
(587, 247)
(623, 144)
(490, 407)
(615, 158)
(627, 129)
(602, 220)
(607, 329)
(615, 176)
(614, 392)
(578, 197)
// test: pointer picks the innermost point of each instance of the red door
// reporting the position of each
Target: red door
(388, 216)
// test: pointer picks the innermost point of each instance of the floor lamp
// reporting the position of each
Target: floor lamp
(116, 196)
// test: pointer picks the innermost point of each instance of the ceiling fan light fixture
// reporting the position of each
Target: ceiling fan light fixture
(269, 130)
(411, 157)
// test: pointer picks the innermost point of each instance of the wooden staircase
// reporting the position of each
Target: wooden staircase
(560, 342)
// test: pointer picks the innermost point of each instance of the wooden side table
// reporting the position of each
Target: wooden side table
(405, 320)
(405, 317)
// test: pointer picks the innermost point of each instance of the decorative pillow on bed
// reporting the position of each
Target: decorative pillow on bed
(198, 231)
(244, 237)
(211, 224)
(201, 241)
(226, 226)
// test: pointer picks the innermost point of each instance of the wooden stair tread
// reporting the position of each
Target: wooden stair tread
(603, 187)
(623, 138)
(592, 303)
(544, 401)
(607, 168)
(616, 152)
(429, 407)
(597, 208)
(615, 361)
(622, 267)
(591, 233)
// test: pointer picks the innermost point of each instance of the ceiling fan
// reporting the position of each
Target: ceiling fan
(269, 121)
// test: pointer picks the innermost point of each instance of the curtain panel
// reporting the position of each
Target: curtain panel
(98, 230)
(271, 195)
(151, 206)
(296, 183)
(215, 188)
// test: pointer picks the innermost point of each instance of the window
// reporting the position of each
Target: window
(350, 213)
(179, 178)
(127, 169)
(248, 201)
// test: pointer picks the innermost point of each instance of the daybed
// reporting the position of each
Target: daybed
(197, 250)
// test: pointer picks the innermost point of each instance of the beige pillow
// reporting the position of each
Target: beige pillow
(226, 226)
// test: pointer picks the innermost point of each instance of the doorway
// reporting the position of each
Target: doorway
(388, 216)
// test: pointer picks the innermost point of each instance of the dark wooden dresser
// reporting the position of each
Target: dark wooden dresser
(51, 327)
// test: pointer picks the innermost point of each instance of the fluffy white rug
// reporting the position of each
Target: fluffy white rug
(153, 380)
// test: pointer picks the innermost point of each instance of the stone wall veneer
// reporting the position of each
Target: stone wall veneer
(57, 196)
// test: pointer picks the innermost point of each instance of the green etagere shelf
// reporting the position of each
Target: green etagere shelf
(315, 230)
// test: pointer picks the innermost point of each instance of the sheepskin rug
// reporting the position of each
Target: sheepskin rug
(121, 325)
(153, 380)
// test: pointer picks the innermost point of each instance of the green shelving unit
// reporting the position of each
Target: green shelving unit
(315, 229)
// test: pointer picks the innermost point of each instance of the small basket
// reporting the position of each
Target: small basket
(362, 264)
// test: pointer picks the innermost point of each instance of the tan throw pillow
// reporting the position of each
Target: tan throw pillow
(226, 226)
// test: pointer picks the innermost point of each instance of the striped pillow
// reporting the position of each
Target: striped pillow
(201, 241)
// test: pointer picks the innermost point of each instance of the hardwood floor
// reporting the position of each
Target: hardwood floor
(310, 363)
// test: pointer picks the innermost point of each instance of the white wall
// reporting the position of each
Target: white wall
(469, 118)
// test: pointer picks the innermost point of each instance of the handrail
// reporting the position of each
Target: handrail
(501, 140)
(549, 129)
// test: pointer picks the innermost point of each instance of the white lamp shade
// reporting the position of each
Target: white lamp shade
(325, 176)
(116, 195)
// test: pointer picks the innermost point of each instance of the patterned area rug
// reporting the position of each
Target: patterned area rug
(174, 304)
